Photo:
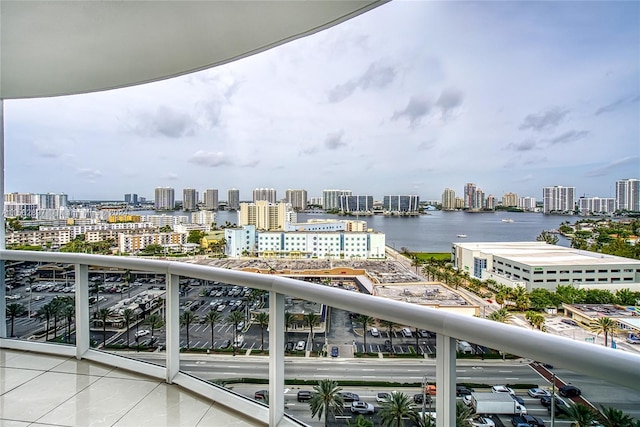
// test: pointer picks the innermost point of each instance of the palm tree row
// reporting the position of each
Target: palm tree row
(58, 308)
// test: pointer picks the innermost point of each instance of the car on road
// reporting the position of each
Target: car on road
(261, 395)
(569, 322)
(142, 333)
(569, 391)
(301, 345)
(481, 421)
(430, 389)
(362, 408)
(418, 398)
(334, 351)
(527, 421)
(225, 344)
(517, 399)
(538, 392)
(463, 391)
(562, 407)
(304, 395)
(347, 396)
(382, 396)
(501, 389)
(375, 332)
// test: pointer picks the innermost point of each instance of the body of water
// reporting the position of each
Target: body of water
(436, 231)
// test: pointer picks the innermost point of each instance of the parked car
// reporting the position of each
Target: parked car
(382, 396)
(225, 344)
(289, 346)
(347, 396)
(301, 345)
(501, 389)
(261, 395)
(569, 322)
(425, 334)
(362, 408)
(463, 391)
(304, 395)
(418, 398)
(406, 332)
(527, 421)
(375, 332)
(538, 392)
(387, 346)
(569, 391)
(334, 351)
(481, 421)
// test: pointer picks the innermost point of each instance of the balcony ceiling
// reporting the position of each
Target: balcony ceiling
(69, 47)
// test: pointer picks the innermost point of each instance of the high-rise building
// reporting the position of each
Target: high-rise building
(233, 199)
(469, 194)
(401, 203)
(527, 203)
(297, 199)
(477, 199)
(331, 198)
(164, 198)
(448, 199)
(510, 200)
(189, 199)
(596, 205)
(264, 215)
(315, 201)
(52, 201)
(211, 199)
(131, 199)
(558, 199)
(355, 203)
(628, 195)
(267, 194)
(491, 202)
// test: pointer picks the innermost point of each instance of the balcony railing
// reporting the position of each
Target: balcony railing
(597, 361)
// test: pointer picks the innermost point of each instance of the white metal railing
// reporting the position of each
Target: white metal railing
(598, 361)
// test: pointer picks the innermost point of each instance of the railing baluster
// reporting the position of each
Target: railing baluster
(82, 310)
(276, 358)
(445, 381)
(172, 319)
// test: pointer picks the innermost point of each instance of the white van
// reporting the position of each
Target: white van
(406, 332)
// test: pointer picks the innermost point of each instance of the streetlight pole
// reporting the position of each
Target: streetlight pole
(553, 399)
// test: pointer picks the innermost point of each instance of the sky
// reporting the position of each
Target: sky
(410, 98)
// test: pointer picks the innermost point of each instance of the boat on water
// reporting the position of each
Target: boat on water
(507, 220)
(462, 236)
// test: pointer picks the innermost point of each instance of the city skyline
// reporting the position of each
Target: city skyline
(528, 95)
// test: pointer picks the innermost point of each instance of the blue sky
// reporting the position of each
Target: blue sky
(409, 98)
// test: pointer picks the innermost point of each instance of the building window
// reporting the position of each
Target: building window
(538, 272)
(590, 271)
(551, 272)
(577, 271)
(602, 271)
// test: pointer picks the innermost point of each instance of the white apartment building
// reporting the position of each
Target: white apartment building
(186, 228)
(23, 210)
(540, 265)
(162, 220)
(264, 194)
(510, 200)
(132, 243)
(327, 225)
(39, 237)
(338, 245)
(233, 199)
(448, 200)
(264, 215)
(628, 194)
(211, 199)
(331, 198)
(316, 201)
(596, 206)
(297, 199)
(203, 217)
(189, 199)
(527, 203)
(240, 241)
(164, 198)
(77, 230)
(558, 199)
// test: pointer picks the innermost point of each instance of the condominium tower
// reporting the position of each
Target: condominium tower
(267, 194)
(297, 199)
(331, 198)
(448, 199)
(233, 199)
(211, 199)
(189, 199)
(263, 215)
(164, 198)
(558, 199)
(510, 200)
(401, 203)
(628, 195)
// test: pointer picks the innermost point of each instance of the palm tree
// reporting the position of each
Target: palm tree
(361, 421)
(536, 319)
(234, 318)
(187, 317)
(127, 280)
(365, 321)
(520, 297)
(289, 318)
(14, 310)
(263, 320)
(613, 417)
(45, 312)
(96, 291)
(103, 315)
(56, 309)
(502, 294)
(463, 413)
(502, 316)
(326, 398)
(211, 319)
(607, 326)
(583, 415)
(395, 408)
(127, 316)
(69, 312)
(311, 319)
(155, 321)
(389, 325)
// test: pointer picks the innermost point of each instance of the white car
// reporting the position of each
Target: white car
(142, 333)
(466, 400)
(480, 421)
(360, 407)
(382, 396)
(538, 392)
(502, 389)
(301, 345)
(375, 332)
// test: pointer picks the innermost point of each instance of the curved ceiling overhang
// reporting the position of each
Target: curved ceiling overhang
(52, 48)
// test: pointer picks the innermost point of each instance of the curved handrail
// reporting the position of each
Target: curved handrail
(598, 361)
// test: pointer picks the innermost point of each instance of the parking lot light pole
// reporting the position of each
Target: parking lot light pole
(553, 399)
